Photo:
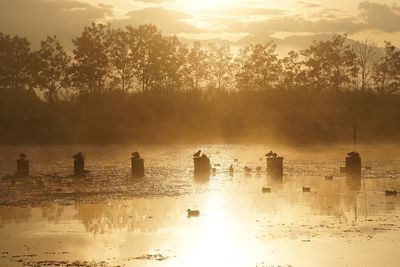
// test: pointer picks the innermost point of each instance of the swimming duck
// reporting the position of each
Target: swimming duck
(193, 213)
(258, 168)
(22, 155)
(329, 177)
(214, 170)
(231, 170)
(306, 189)
(247, 169)
(266, 189)
(197, 154)
(391, 193)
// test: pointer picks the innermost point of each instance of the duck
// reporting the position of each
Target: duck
(247, 169)
(214, 170)
(197, 154)
(77, 156)
(368, 168)
(22, 155)
(328, 177)
(266, 189)
(269, 154)
(135, 154)
(306, 189)
(217, 165)
(193, 213)
(258, 168)
(353, 154)
(391, 193)
(231, 169)
(235, 160)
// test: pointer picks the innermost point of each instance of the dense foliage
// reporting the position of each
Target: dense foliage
(138, 85)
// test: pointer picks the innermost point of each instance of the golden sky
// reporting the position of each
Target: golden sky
(232, 20)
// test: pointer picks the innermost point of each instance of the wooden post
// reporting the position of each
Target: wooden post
(202, 165)
(22, 166)
(275, 167)
(353, 165)
(79, 165)
(137, 167)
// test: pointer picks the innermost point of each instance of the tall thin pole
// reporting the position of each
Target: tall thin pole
(355, 137)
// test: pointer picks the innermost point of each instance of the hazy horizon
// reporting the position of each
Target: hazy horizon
(199, 20)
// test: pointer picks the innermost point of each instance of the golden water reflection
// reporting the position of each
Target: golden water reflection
(238, 226)
(340, 222)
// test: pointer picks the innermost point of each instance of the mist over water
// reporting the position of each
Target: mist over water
(142, 222)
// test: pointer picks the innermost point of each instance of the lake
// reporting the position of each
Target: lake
(111, 219)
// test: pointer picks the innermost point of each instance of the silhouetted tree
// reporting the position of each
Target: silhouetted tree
(368, 55)
(52, 69)
(91, 63)
(122, 58)
(15, 63)
(331, 64)
(293, 76)
(171, 61)
(220, 65)
(258, 67)
(146, 41)
(196, 67)
(387, 71)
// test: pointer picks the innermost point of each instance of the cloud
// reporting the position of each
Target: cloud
(155, 1)
(299, 24)
(308, 4)
(35, 19)
(380, 16)
(167, 20)
(250, 11)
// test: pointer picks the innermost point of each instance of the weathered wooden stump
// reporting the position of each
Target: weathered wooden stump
(274, 165)
(22, 166)
(137, 166)
(202, 165)
(353, 165)
(79, 165)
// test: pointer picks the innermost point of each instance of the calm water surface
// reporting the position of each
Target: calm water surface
(110, 219)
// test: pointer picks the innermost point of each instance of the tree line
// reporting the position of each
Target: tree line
(135, 81)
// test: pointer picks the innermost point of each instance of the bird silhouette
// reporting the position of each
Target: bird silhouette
(266, 189)
(391, 193)
(231, 170)
(193, 213)
(269, 154)
(247, 169)
(136, 155)
(197, 154)
(79, 155)
(306, 189)
(353, 154)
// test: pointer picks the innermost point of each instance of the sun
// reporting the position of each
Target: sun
(197, 6)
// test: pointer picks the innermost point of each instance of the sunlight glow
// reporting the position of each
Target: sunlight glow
(198, 7)
(218, 243)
